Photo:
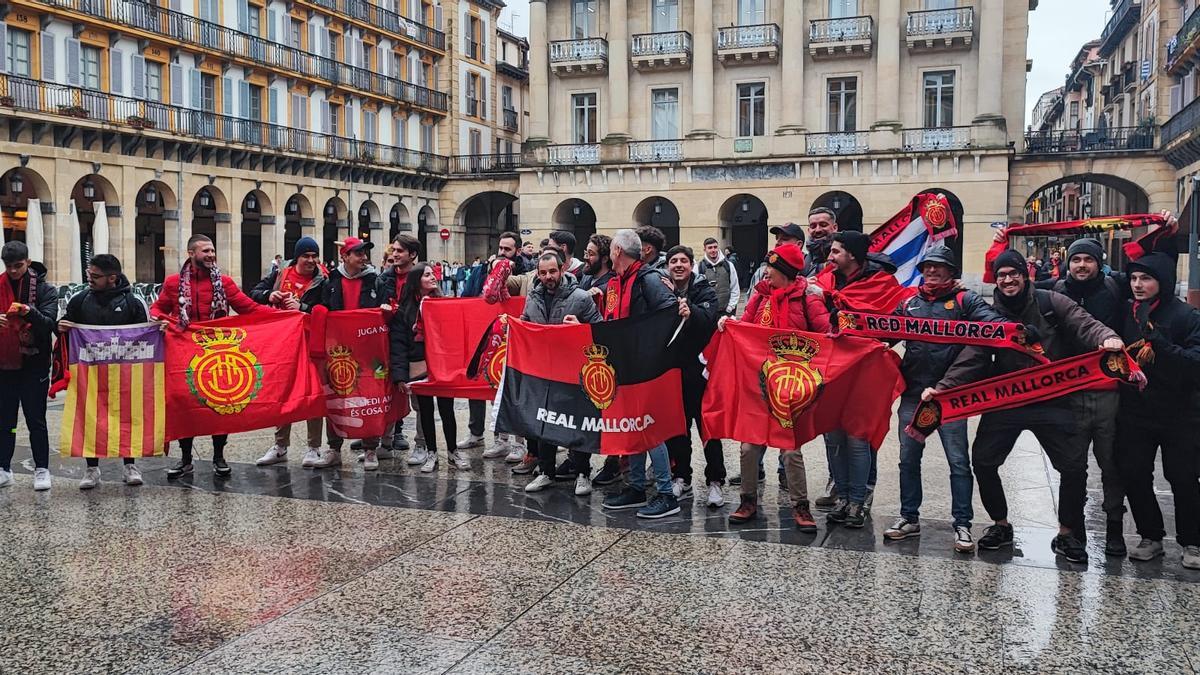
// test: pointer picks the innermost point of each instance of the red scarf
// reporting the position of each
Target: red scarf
(774, 310)
(15, 337)
(620, 293)
(295, 283)
(930, 291)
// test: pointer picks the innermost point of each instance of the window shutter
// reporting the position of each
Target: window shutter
(244, 99)
(137, 76)
(116, 76)
(176, 84)
(381, 58)
(74, 62)
(4, 44)
(226, 96)
(348, 48)
(194, 80)
(273, 105)
(48, 56)
(326, 118)
(313, 47)
(1176, 98)
(243, 16)
(434, 84)
(483, 97)
(437, 17)
(272, 20)
(483, 41)
(369, 127)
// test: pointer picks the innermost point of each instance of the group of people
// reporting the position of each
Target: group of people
(806, 280)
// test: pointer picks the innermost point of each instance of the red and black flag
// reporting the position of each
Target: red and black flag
(612, 386)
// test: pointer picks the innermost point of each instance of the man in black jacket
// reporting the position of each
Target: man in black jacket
(108, 301)
(28, 308)
(941, 296)
(1165, 337)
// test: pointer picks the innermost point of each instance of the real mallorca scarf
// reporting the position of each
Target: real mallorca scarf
(220, 305)
(620, 293)
(998, 335)
(1095, 370)
(16, 337)
(775, 311)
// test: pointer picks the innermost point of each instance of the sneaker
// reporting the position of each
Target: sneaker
(1114, 538)
(460, 461)
(869, 499)
(221, 468)
(609, 474)
(6, 478)
(471, 441)
(1191, 557)
(431, 461)
(583, 486)
(517, 452)
(382, 453)
(418, 455)
(371, 460)
(716, 496)
(527, 465)
(902, 529)
(996, 536)
(399, 442)
(746, 511)
(629, 498)
(803, 518)
(782, 480)
(178, 470)
(329, 457)
(132, 475)
(1070, 548)
(310, 458)
(356, 445)
(659, 507)
(828, 499)
(856, 516)
(565, 470)
(496, 450)
(539, 483)
(681, 489)
(1147, 549)
(91, 478)
(275, 455)
(838, 513)
(41, 479)
(737, 480)
(963, 543)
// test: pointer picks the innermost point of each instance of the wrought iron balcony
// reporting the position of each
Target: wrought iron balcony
(837, 143)
(513, 70)
(252, 48)
(1181, 136)
(387, 20)
(1183, 49)
(579, 57)
(935, 139)
(662, 51)
(512, 121)
(573, 155)
(656, 151)
(941, 28)
(135, 115)
(484, 165)
(1124, 17)
(748, 44)
(850, 36)
(1111, 139)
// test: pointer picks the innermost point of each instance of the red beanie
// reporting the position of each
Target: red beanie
(787, 258)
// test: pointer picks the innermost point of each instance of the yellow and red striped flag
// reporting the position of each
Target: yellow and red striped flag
(116, 393)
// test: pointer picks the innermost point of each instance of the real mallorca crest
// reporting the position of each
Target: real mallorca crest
(847, 321)
(495, 362)
(598, 378)
(224, 377)
(342, 370)
(935, 213)
(789, 382)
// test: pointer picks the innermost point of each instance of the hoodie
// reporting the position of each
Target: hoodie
(724, 279)
(117, 306)
(361, 287)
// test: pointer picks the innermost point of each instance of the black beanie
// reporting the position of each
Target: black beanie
(856, 243)
(1086, 246)
(1010, 258)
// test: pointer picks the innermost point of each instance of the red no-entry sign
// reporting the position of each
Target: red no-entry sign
(444, 234)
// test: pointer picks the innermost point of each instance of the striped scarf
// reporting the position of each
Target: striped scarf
(220, 304)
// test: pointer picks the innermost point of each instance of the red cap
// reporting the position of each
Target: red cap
(350, 244)
(787, 258)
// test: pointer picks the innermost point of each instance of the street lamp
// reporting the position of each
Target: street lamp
(151, 195)
(251, 203)
(205, 199)
(89, 190)
(16, 185)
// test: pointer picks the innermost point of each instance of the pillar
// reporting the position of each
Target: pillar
(702, 71)
(887, 66)
(991, 61)
(618, 72)
(539, 76)
(793, 68)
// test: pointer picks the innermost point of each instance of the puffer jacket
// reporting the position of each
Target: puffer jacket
(117, 306)
(925, 363)
(806, 307)
(549, 309)
(261, 293)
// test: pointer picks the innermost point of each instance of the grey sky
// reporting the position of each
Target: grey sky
(515, 17)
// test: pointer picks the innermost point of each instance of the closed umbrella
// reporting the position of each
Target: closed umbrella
(100, 229)
(34, 236)
(76, 247)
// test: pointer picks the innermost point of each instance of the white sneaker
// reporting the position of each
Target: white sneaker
(583, 486)
(497, 449)
(516, 453)
(681, 488)
(716, 497)
(311, 457)
(471, 441)
(275, 455)
(6, 478)
(418, 455)
(329, 457)
(384, 453)
(91, 478)
(539, 483)
(1191, 557)
(460, 461)
(41, 479)
(132, 475)
(370, 460)
(430, 464)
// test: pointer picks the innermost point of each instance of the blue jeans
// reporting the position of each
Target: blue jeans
(829, 450)
(660, 464)
(851, 460)
(954, 442)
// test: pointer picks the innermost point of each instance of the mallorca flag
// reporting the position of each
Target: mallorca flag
(115, 394)
(453, 327)
(241, 373)
(784, 388)
(925, 221)
(611, 386)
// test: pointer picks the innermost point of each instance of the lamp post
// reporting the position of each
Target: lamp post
(1193, 288)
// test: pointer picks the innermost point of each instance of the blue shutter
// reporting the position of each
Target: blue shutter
(74, 62)
(138, 76)
(176, 84)
(227, 95)
(4, 46)
(272, 19)
(243, 16)
(273, 105)
(49, 56)
(116, 74)
(194, 80)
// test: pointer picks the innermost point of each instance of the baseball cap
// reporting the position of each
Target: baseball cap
(790, 230)
(351, 244)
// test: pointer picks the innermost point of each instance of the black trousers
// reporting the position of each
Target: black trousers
(1137, 447)
(24, 389)
(219, 441)
(680, 449)
(1062, 443)
(95, 461)
(547, 454)
(445, 408)
(475, 419)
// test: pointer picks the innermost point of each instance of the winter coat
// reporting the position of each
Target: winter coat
(368, 296)
(806, 307)
(1104, 297)
(568, 299)
(649, 292)
(117, 306)
(927, 362)
(42, 317)
(167, 304)
(262, 291)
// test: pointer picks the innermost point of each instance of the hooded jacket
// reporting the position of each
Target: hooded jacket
(117, 306)
(368, 295)
(261, 292)
(41, 317)
(649, 293)
(806, 306)
(550, 308)
(724, 279)
(925, 363)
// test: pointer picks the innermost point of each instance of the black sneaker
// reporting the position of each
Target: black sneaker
(782, 480)
(356, 445)
(659, 507)
(609, 474)
(737, 480)
(856, 516)
(179, 470)
(629, 498)
(220, 468)
(1114, 539)
(995, 537)
(839, 512)
(1070, 548)
(565, 470)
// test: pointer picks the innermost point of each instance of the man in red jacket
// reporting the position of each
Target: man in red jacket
(199, 293)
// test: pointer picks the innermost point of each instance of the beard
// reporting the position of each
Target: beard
(593, 269)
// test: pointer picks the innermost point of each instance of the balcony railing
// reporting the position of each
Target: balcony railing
(388, 20)
(1182, 123)
(933, 22)
(511, 121)
(1185, 42)
(656, 151)
(207, 35)
(1111, 139)
(745, 37)
(1125, 15)
(589, 49)
(82, 104)
(571, 155)
(653, 44)
(840, 30)
(837, 143)
(484, 164)
(937, 138)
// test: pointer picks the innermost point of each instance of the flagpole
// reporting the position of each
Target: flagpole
(1193, 288)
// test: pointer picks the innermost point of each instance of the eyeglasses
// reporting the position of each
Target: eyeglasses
(1004, 276)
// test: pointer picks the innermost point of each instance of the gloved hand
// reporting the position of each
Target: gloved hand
(1032, 334)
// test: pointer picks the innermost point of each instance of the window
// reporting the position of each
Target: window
(1074, 115)
(254, 104)
(752, 109)
(332, 42)
(939, 99)
(400, 132)
(472, 94)
(90, 75)
(335, 111)
(752, 12)
(473, 30)
(506, 97)
(585, 19)
(585, 116)
(426, 138)
(664, 114)
(843, 104)
(16, 52)
(208, 10)
(940, 4)
(839, 9)
(297, 29)
(474, 142)
(208, 92)
(154, 89)
(252, 19)
(665, 15)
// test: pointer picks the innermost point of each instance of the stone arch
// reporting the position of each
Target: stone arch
(744, 224)
(209, 206)
(659, 212)
(92, 195)
(256, 213)
(333, 220)
(576, 216)
(482, 218)
(427, 223)
(367, 220)
(399, 220)
(297, 214)
(1153, 175)
(154, 201)
(847, 207)
(17, 187)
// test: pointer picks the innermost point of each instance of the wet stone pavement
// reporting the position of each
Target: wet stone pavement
(287, 570)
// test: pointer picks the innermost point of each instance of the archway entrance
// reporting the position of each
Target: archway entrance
(661, 213)
(254, 206)
(295, 213)
(153, 201)
(17, 187)
(426, 223)
(204, 214)
(956, 209)
(484, 217)
(368, 220)
(399, 221)
(1078, 196)
(333, 215)
(577, 217)
(849, 211)
(744, 225)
